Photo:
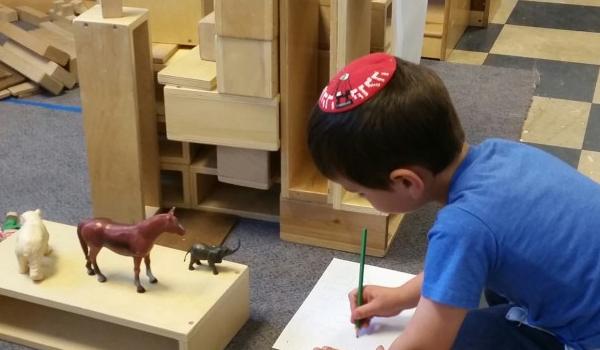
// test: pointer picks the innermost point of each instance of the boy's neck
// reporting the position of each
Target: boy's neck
(441, 182)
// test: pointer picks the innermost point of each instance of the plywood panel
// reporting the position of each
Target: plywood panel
(173, 21)
(190, 71)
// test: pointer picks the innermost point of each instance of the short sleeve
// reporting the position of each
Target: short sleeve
(460, 254)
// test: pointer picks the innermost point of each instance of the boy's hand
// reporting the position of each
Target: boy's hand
(377, 301)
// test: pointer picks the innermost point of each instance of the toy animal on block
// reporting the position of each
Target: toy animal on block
(32, 244)
(212, 253)
(129, 240)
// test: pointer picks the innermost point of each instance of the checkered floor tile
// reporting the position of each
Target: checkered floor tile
(560, 39)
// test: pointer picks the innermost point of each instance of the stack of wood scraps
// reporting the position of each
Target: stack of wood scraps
(41, 58)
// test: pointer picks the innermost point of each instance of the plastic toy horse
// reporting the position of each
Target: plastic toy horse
(129, 240)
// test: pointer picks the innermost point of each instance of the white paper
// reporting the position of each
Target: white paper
(409, 17)
(324, 317)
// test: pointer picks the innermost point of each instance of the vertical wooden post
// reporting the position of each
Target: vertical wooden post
(112, 8)
(117, 93)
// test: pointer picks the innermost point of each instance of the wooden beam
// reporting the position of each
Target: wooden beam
(52, 69)
(31, 15)
(162, 52)
(32, 72)
(13, 79)
(24, 90)
(37, 45)
(4, 94)
(7, 14)
(206, 35)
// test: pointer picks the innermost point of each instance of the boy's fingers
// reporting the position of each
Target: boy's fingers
(364, 311)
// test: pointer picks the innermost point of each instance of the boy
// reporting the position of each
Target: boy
(516, 221)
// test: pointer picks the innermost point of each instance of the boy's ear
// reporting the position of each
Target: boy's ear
(409, 180)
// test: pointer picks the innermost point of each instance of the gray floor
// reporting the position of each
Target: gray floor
(43, 165)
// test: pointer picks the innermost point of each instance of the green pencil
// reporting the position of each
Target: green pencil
(361, 272)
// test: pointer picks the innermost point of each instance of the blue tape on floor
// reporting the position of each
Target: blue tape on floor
(64, 108)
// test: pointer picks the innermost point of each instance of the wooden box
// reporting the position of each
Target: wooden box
(244, 167)
(175, 185)
(247, 67)
(206, 33)
(225, 120)
(247, 19)
(71, 310)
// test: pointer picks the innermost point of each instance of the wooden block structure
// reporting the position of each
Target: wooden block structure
(446, 22)
(33, 72)
(313, 211)
(206, 35)
(119, 112)
(34, 44)
(190, 71)
(31, 15)
(174, 22)
(244, 167)
(381, 25)
(71, 310)
(8, 14)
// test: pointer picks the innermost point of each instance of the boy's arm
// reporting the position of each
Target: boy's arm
(434, 326)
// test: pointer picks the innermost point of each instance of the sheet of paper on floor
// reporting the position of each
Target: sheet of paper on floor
(324, 317)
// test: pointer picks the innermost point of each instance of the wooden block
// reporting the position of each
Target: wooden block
(350, 35)
(4, 94)
(11, 80)
(320, 225)
(206, 35)
(57, 5)
(37, 45)
(162, 52)
(324, 26)
(52, 69)
(217, 119)
(119, 115)
(247, 19)
(8, 15)
(174, 22)
(190, 71)
(64, 43)
(299, 57)
(24, 90)
(175, 185)
(67, 34)
(78, 6)
(33, 72)
(381, 25)
(244, 167)
(247, 67)
(324, 75)
(4, 73)
(112, 8)
(185, 310)
(31, 15)
(67, 10)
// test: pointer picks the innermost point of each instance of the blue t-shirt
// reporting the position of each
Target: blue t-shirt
(526, 225)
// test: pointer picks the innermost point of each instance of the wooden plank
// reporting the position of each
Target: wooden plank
(40, 5)
(112, 8)
(161, 53)
(24, 90)
(183, 30)
(244, 167)
(233, 19)
(7, 14)
(63, 43)
(191, 71)
(208, 117)
(206, 33)
(299, 91)
(11, 80)
(4, 94)
(247, 67)
(31, 15)
(52, 69)
(67, 34)
(32, 72)
(37, 45)
(323, 226)
(168, 316)
(117, 88)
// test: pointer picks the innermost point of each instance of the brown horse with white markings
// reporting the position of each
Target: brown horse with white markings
(129, 240)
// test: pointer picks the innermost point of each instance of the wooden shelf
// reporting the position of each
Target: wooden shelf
(446, 21)
(213, 196)
(175, 185)
(311, 186)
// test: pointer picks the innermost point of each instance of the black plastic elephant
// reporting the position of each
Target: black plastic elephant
(213, 254)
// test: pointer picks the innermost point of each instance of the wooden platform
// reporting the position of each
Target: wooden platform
(71, 310)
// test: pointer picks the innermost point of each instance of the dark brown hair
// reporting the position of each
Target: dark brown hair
(410, 122)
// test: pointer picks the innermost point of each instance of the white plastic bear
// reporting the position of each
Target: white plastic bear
(32, 244)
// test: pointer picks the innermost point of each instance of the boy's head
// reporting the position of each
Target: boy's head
(381, 115)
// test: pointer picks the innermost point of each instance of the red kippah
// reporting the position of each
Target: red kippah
(357, 82)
